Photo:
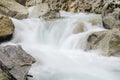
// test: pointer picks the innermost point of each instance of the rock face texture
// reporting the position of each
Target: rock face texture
(76, 5)
(33, 2)
(43, 10)
(6, 28)
(52, 14)
(23, 2)
(13, 9)
(108, 41)
(15, 62)
(39, 10)
(111, 15)
(3, 76)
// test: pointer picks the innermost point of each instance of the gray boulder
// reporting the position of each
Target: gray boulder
(13, 9)
(107, 41)
(43, 10)
(15, 62)
(39, 10)
(111, 14)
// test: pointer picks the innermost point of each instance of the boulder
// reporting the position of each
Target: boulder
(111, 14)
(107, 41)
(39, 10)
(6, 28)
(13, 9)
(43, 10)
(15, 62)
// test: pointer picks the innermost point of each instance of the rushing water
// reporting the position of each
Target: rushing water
(60, 51)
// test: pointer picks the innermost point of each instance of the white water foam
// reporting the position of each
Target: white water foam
(59, 52)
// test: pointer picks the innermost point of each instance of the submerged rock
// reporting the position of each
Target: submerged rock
(111, 14)
(108, 41)
(13, 9)
(6, 28)
(79, 28)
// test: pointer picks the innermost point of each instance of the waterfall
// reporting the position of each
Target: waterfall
(59, 47)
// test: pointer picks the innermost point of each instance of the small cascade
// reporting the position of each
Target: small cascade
(59, 46)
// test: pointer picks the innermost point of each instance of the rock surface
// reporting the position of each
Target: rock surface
(111, 15)
(94, 6)
(39, 10)
(6, 28)
(13, 9)
(23, 2)
(43, 10)
(15, 62)
(33, 2)
(108, 41)
(52, 14)
(3, 76)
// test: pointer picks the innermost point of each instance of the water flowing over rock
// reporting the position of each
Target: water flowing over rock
(108, 41)
(13, 9)
(15, 62)
(111, 14)
(59, 47)
(6, 28)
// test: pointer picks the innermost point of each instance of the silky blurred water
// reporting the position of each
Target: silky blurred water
(60, 52)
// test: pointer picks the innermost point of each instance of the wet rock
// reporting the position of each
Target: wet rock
(15, 62)
(6, 28)
(111, 14)
(107, 41)
(13, 9)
